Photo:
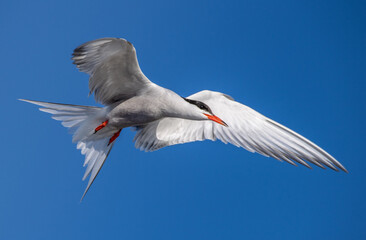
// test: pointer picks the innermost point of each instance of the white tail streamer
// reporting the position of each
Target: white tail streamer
(81, 121)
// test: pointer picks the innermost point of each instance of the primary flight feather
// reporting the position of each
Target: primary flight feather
(163, 118)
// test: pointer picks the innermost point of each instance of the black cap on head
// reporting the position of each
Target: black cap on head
(199, 104)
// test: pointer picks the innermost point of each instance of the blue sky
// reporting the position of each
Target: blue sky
(301, 63)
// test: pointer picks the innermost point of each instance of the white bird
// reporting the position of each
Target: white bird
(163, 118)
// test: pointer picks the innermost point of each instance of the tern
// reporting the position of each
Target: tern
(162, 118)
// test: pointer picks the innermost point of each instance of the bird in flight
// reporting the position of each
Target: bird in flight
(163, 118)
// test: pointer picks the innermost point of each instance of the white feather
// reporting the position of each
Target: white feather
(246, 128)
(84, 120)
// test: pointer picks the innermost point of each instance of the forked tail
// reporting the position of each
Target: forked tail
(82, 122)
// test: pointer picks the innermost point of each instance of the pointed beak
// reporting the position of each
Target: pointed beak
(215, 119)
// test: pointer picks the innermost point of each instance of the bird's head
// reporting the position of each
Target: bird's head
(205, 111)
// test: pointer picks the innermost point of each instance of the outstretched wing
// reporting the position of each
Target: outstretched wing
(113, 68)
(246, 128)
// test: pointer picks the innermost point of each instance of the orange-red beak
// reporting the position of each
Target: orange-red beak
(215, 119)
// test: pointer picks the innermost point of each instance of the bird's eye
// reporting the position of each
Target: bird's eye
(202, 107)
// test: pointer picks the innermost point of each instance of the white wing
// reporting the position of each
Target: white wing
(113, 68)
(246, 128)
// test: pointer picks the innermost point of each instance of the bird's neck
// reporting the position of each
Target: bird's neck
(179, 108)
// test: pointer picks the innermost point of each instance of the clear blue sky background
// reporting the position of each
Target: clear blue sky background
(301, 63)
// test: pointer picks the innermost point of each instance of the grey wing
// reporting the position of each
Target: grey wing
(246, 128)
(113, 68)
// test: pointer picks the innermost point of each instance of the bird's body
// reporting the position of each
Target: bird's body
(164, 118)
(154, 104)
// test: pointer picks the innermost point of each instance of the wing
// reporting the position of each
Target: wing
(246, 128)
(113, 68)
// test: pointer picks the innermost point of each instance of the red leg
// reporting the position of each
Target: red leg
(114, 137)
(101, 126)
